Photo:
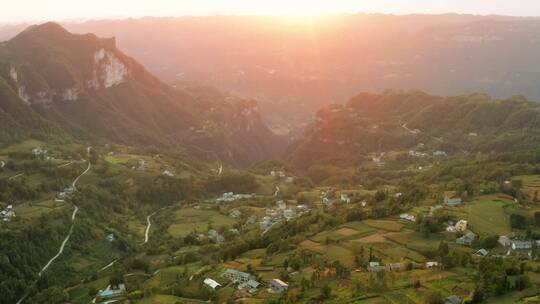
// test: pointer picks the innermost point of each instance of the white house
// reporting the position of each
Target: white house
(235, 213)
(407, 217)
(505, 241)
(278, 286)
(281, 205)
(211, 283)
(289, 213)
(345, 197)
(168, 173)
(521, 245)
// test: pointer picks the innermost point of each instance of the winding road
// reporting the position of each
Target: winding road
(61, 249)
(148, 225)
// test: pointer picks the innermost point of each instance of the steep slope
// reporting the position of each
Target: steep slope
(92, 89)
(375, 123)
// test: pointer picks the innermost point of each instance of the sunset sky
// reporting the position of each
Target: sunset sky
(40, 10)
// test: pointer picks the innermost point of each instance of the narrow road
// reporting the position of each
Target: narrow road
(78, 177)
(63, 243)
(108, 265)
(15, 176)
(65, 165)
(149, 224)
(61, 249)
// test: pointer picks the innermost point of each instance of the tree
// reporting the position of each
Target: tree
(326, 291)
(537, 218)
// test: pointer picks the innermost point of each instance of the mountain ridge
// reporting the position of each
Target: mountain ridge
(88, 86)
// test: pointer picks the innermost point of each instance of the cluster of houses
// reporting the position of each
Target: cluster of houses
(517, 244)
(281, 174)
(231, 197)
(8, 213)
(141, 166)
(246, 282)
(215, 236)
(66, 193)
(397, 267)
(39, 151)
(281, 212)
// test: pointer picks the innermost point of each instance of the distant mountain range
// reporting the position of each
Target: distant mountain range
(371, 124)
(84, 86)
(295, 66)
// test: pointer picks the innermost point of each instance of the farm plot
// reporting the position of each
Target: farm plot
(191, 220)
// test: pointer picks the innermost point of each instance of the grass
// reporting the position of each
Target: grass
(386, 225)
(189, 220)
(485, 216)
(167, 299)
(415, 241)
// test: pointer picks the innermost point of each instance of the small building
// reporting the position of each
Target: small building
(327, 202)
(467, 240)
(453, 299)
(237, 277)
(451, 199)
(440, 153)
(278, 286)
(407, 217)
(460, 226)
(168, 173)
(430, 265)
(216, 236)
(281, 205)
(345, 197)
(505, 241)
(289, 213)
(482, 252)
(112, 292)
(251, 286)
(211, 283)
(235, 214)
(375, 267)
(517, 245)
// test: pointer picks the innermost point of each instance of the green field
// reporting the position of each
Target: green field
(386, 225)
(189, 220)
(485, 216)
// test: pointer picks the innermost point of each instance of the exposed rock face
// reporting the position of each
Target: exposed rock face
(13, 74)
(23, 95)
(109, 70)
(70, 94)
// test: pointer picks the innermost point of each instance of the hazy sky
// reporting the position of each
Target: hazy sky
(40, 10)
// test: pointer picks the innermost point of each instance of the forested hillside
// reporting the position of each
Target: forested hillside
(90, 89)
(396, 120)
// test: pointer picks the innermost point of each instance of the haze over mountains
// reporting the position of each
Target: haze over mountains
(315, 62)
(85, 86)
